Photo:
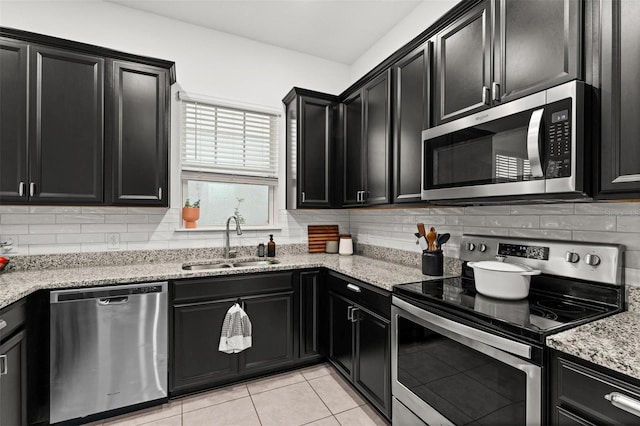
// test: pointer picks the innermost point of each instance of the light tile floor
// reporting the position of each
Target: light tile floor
(315, 395)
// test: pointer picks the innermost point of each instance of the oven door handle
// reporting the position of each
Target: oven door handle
(533, 142)
(453, 327)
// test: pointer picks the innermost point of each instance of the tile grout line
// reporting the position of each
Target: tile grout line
(254, 407)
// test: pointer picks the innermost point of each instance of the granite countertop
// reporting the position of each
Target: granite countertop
(611, 342)
(18, 284)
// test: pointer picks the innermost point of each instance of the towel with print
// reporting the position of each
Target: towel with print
(236, 331)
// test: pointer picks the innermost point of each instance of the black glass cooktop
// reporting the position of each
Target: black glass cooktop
(540, 314)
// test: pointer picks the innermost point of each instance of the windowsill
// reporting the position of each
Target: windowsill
(232, 227)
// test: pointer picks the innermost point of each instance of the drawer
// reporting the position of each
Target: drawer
(374, 298)
(582, 390)
(201, 289)
(14, 317)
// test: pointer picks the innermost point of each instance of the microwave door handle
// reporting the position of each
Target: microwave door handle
(533, 142)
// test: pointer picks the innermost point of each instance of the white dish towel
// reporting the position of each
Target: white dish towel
(236, 331)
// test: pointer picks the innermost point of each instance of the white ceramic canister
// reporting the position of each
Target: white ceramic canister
(346, 245)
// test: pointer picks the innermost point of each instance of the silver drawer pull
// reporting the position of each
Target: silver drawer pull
(353, 288)
(21, 186)
(623, 402)
(32, 189)
(113, 301)
(350, 313)
(354, 314)
(3, 324)
(4, 365)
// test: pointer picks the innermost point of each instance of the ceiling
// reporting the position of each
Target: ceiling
(337, 30)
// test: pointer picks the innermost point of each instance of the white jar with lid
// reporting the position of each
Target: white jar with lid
(346, 245)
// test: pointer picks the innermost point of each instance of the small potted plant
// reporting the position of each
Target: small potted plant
(190, 213)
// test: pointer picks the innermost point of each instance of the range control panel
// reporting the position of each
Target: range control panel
(576, 259)
(558, 150)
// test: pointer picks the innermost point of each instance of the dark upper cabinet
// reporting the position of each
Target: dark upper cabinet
(496, 54)
(463, 65)
(620, 96)
(310, 138)
(367, 143)
(353, 150)
(61, 160)
(412, 76)
(13, 116)
(66, 139)
(537, 45)
(139, 134)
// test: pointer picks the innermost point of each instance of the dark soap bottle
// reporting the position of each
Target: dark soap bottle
(261, 250)
(271, 247)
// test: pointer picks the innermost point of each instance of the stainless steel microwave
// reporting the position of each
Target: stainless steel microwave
(532, 146)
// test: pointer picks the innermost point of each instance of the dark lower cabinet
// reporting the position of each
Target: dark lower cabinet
(360, 338)
(139, 134)
(310, 305)
(198, 310)
(13, 380)
(583, 393)
(620, 96)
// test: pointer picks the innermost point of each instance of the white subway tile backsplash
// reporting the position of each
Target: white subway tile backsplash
(540, 209)
(632, 259)
(105, 227)
(628, 224)
(554, 234)
(466, 220)
(105, 210)
(632, 277)
(14, 229)
(156, 211)
(513, 221)
(55, 229)
(55, 209)
(609, 209)
(147, 227)
(126, 218)
(134, 236)
(26, 218)
(487, 210)
(92, 247)
(484, 231)
(630, 241)
(80, 218)
(80, 238)
(579, 222)
(54, 249)
(31, 239)
(14, 209)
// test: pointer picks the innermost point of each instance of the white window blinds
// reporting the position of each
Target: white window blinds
(229, 141)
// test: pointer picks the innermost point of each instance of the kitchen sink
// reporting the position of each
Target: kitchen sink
(238, 264)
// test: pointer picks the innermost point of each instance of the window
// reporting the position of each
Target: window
(229, 162)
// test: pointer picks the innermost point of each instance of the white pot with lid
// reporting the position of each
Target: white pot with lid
(502, 280)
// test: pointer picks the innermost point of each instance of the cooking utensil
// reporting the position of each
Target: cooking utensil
(442, 239)
(421, 229)
(502, 280)
(423, 243)
(431, 239)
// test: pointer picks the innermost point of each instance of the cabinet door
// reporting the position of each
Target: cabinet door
(463, 65)
(377, 129)
(197, 363)
(66, 148)
(13, 381)
(373, 365)
(315, 127)
(13, 116)
(272, 332)
(138, 136)
(353, 152)
(412, 77)
(309, 314)
(620, 94)
(341, 332)
(527, 59)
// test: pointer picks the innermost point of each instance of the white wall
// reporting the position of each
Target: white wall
(421, 18)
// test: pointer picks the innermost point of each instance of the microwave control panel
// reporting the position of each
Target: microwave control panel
(558, 156)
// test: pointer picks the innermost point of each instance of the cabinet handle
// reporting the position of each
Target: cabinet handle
(350, 313)
(353, 287)
(3, 324)
(354, 314)
(623, 402)
(32, 189)
(159, 193)
(4, 365)
(485, 95)
(304, 197)
(357, 196)
(495, 91)
(21, 186)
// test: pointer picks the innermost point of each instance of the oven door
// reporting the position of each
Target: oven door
(448, 373)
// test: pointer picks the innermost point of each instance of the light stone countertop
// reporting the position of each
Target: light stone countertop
(15, 285)
(612, 342)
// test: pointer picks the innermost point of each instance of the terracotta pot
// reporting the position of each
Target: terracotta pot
(190, 215)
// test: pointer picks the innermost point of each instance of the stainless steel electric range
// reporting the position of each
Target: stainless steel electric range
(459, 357)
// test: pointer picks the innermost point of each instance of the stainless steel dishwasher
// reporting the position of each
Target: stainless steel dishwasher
(108, 348)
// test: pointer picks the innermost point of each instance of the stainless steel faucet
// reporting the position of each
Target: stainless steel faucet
(227, 253)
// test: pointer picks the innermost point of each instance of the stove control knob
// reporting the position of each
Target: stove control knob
(471, 246)
(572, 257)
(592, 259)
(482, 247)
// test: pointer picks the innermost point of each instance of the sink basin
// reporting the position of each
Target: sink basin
(238, 264)
(255, 263)
(207, 266)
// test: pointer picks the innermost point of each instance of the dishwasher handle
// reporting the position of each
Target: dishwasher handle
(113, 301)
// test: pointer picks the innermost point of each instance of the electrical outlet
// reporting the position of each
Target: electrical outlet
(113, 241)
(8, 244)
